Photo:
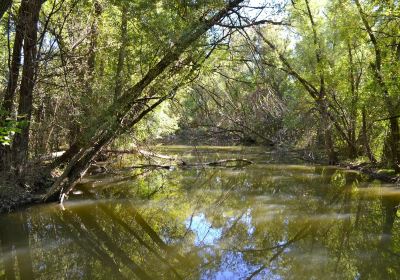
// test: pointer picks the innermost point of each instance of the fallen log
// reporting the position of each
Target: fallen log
(143, 153)
(183, 164)
(152, 166)
(372, 172)
(224, 162)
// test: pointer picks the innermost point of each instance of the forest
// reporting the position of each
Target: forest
(89, 84)
(79, 76)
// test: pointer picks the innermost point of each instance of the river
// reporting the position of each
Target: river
(274, 219)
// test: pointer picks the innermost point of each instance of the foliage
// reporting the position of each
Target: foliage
(8, 128)
(257, 85)
(296, 74)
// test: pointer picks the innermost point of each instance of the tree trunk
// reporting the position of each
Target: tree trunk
(328, 133)
(88, 74)
(9, 95)
(365, 139)
(328, 137)
(122, 53)
(94, 34)
(21, 140)
(394, 143)
(353, 107)
(394, 159)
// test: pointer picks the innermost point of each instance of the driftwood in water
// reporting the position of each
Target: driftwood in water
(223, 162)
(152, 166)
(373, 173)
(143, 153)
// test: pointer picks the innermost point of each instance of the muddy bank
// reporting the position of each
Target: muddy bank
(21, 191)
(13, 196)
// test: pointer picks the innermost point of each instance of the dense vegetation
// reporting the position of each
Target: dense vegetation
(78, 76)
(326, 75)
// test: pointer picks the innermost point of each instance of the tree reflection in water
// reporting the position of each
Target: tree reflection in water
(265, 221)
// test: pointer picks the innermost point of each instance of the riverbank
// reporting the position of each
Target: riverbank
(374, 171)
(24, 191)
(14, 195)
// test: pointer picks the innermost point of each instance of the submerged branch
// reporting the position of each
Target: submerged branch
(224, 162)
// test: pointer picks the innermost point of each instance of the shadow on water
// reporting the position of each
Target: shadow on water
(265, 221)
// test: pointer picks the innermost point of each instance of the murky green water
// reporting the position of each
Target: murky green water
(269, 220)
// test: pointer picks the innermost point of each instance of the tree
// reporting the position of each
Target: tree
(21, 141)
(378, 66)
(118, 117)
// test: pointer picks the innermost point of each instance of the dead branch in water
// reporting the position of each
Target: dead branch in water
(143, 153)
(224, 162)
(183, 164)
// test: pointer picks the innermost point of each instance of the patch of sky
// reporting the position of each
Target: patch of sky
(203, 229)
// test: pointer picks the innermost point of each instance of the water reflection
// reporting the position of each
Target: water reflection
(265, 221)
(15, 248)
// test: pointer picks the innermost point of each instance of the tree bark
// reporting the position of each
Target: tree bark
(9, 96)
(94, 34)
(121, 53)
(365, 139)
(21, 140)
(328, 135)
(353, 106)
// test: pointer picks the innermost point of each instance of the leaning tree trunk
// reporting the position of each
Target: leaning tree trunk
(21, 140)
(118, 116)
(80, 162)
